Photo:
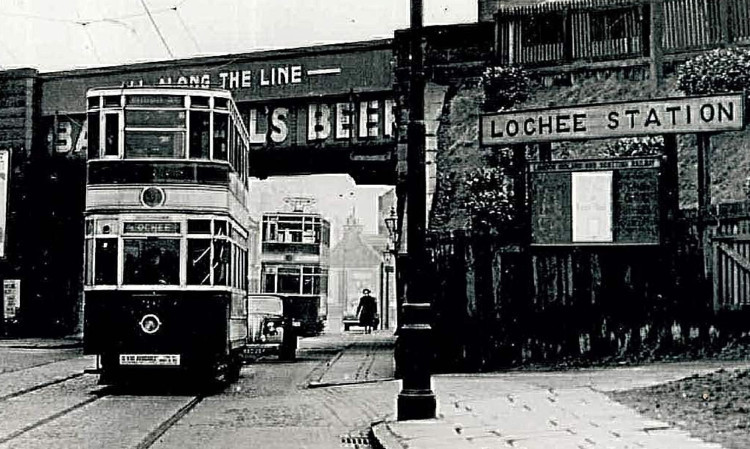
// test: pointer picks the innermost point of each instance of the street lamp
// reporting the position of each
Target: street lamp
(389, 255)
(416, 400)
(394, 234)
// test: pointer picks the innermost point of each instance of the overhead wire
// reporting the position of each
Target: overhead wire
(88, 34)
(187, 29)
(156, 28)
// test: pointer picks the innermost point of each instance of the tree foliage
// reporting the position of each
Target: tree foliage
(716, 71)
(505, 87)
(635, 146)
(490, 197)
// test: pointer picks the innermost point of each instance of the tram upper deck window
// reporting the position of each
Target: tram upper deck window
(155, 118)
(93, 102)
(93, 134)
(111, 134)
(112, 101)
(199, 102)
(200, 134)
(221, 103)
(221, 134)
(165, 144)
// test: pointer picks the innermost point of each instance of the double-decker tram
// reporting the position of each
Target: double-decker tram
(167, 232)
(295, 258)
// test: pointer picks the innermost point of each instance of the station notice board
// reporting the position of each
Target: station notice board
(596, 202)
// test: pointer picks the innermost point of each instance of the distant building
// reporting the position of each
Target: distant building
(357, 262)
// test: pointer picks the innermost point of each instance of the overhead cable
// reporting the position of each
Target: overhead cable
(158, 31)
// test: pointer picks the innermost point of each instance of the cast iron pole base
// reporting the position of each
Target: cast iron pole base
(416, 404)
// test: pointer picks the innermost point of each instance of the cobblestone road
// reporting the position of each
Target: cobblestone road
(54, 404)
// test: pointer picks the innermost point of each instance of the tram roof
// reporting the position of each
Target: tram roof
(159, 90)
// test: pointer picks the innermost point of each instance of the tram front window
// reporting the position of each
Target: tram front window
(151, 261)
(164, 144)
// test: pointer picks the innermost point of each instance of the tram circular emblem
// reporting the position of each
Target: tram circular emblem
(152, 197)
(150, 323)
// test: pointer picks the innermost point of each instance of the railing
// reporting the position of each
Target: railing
(592, 30)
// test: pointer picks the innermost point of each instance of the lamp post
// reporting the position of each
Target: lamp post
(391, 224)
(416, 400)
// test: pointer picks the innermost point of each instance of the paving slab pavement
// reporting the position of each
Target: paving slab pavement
(566, 409)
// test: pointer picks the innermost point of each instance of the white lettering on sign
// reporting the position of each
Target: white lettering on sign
(368, 119)
(69, 136)
(318, 122)
(252, 128)
(279, 130)
(238, 79)
(344, 114)
(668, 116)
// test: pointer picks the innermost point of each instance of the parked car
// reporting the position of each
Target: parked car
(270, 330)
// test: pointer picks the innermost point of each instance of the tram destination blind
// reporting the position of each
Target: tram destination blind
(633, 214)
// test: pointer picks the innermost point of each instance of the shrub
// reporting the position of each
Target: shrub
(504, 87)
(635, 146)
(720, 70)
(490, 197)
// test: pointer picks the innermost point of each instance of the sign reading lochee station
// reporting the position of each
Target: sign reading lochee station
(612, 120)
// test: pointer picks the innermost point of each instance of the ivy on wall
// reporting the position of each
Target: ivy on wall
(505, 87)
(716, 71)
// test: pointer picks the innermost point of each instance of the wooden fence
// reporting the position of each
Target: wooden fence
(498, 304)
(592, 30)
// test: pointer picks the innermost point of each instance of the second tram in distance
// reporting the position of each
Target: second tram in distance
(295, 258)
(169, 240)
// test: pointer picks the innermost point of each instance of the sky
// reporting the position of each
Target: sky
(54, 35)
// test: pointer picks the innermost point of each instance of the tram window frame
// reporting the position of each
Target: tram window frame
(112, 101)
(164, 277)
(286, 272)
(218, 139)
(94, 102)
(89, 260)
(93, 122)
(199, 135)
(108, 277)
(221, 261)
(193, 271)
(221, 103)
(111, 147)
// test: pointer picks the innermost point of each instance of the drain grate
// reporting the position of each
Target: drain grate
(356, 441)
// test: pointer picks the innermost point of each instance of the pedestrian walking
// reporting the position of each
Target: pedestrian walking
(366, 310)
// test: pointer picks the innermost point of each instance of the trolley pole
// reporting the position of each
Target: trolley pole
(416, 400)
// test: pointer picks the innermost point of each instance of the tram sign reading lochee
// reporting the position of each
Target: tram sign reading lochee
(679, 115)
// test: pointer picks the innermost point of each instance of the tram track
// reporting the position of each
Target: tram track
(75, 405)
(160, 430)
(44, 420)
(40, 386)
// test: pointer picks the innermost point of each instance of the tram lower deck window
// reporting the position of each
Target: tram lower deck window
(151, 261)
(106, 262)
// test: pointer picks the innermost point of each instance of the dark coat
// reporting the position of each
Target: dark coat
(366, 310)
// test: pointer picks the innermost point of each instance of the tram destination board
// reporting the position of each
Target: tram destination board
(596, 202)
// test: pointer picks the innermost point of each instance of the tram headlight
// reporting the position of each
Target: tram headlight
(150, 323)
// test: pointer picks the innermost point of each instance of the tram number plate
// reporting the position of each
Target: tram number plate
(150, 359)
